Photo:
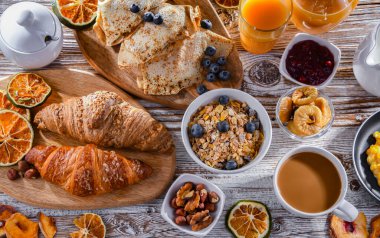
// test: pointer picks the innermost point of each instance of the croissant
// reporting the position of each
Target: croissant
(86, 170)
(105, 119)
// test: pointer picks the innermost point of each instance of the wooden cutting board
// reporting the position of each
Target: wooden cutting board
(72, 83)
(104, 60)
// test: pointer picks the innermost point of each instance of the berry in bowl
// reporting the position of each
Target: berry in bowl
(304, 113)
(226, 131)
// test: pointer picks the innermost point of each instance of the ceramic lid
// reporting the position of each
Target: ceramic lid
(26, 26)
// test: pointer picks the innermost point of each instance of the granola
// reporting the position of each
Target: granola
(219, 147)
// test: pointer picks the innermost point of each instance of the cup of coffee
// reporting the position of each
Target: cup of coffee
(310, 182)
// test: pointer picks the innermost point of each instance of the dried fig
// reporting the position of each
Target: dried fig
(324, 106)
(305, 95)
(286, 109)
(308, 120)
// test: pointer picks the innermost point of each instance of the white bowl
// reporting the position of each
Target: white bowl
(167, 212)
(213, 95)
(301, 37)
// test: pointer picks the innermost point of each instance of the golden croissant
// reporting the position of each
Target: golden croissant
(86, 170)
(105, 119)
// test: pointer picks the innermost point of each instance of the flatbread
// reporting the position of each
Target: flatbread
(115, 20)
(180, 21)
(180, 67)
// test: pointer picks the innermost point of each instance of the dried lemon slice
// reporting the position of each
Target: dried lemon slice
(249, 219)
(90, 225)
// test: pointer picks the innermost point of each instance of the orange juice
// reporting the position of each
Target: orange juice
(319, 16)
(262, 23)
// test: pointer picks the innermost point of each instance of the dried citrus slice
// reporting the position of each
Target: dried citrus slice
(228, 3)
(90, 226)
(76, 14)
(28, 90)
(16, 137)
(6, 104)
(249, 219)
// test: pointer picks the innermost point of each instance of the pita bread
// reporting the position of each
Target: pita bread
(180, 67)
(115, 20)
(180, 21)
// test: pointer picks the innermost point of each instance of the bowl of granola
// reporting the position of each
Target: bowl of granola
(226, 131)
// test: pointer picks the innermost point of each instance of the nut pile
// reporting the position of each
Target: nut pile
(24, 169)
(193, 205)
(225, 134)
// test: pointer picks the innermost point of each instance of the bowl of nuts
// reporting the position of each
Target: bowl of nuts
(193, 205)
(226, 131)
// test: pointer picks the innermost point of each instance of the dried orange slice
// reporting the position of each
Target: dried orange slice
(16, 137)
(228, 3)
(6, 104)
(76, 14)
(90, 226)
(249, 219)
(28, 90)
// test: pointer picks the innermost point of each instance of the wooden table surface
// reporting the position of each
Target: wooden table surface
(352, 106)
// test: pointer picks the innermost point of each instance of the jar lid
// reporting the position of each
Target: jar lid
(27, 26)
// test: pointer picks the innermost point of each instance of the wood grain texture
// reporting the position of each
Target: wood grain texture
(104, 61)
(352, 106)
(67, 84)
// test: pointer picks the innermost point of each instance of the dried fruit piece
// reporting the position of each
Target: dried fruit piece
(47, 225)
(6, 104)
(90, 225)
(286, 109)
(249, 219)
(19, 226)
(304, 95)
(193, 203)
(375, 227)
(343, 229)
(5, 213)
(293, 129)
(324, 106)
(308, 120)
(228, 3)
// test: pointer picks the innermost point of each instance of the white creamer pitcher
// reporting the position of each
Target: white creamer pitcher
(367, 63)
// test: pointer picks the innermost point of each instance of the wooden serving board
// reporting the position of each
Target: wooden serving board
(104, 60)
(72, 83)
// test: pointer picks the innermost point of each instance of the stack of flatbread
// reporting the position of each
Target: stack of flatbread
(168, 55)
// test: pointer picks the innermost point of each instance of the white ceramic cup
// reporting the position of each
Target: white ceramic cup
(341, 208)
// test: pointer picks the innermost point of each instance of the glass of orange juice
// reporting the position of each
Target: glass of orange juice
(319, 16)
(262, 22)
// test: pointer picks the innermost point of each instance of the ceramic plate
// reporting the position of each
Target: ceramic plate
(362, 142)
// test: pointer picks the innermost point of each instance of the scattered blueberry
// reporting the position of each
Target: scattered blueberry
(148, 17)
(210, 51)
(251, 112)
(201, 89)
(211, 77)
(223, 126)
(157, 19)
(231, 164)
(134, 8)
(250, 127)
(224, 75)
(206, 24)
(214, 68)
(206, 62)
(221, 61)
(196, 131)
(224, 100)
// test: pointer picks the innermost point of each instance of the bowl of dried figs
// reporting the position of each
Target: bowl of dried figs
(193, 205)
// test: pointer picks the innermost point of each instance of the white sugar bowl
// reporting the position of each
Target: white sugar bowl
(30, 35)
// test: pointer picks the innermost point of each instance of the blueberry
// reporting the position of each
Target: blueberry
(214, 68)
(211, 77)
(250, 127)
(224, 100)
(224, 75)
(196, 131)
(157, 19)
(134, 8)
(210, 51)
(223, 126)
(206, 24)
(201, 89)
(148, 17)
(231, 164)
(206, 62)
(221, 61)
